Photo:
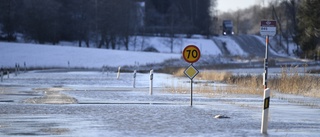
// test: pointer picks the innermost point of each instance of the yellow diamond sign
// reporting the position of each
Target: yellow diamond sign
(191, 72)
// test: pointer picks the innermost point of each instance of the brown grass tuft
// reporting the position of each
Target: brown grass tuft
(288, 82)
(292, 82)
(214, 76)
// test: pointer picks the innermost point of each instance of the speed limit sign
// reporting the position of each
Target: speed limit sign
(191, 53)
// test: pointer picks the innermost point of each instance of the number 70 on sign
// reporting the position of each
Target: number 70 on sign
(191, 53)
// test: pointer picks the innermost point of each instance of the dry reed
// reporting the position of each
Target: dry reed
(292, 82)
(288, 82)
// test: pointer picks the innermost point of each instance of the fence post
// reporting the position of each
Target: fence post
(151, 82)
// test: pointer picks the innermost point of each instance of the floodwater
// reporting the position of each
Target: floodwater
(75, 104)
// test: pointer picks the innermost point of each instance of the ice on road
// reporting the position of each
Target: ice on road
(106, 106)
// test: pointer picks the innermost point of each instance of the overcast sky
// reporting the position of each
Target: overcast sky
(227, 5)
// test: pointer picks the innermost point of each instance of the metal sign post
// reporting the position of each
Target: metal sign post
(191, 54)
(191, 92)
(191, 72)
(265, 76)
(265, 111)
(267, 28)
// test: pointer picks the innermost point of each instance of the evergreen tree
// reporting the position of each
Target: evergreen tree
(308, 35)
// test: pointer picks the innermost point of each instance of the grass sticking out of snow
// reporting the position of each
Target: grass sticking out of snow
(292, 82)
(288, 82)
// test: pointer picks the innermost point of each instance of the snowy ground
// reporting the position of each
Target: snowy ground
(101, 105)
(56, 56)
(107, 106)
(67, 54)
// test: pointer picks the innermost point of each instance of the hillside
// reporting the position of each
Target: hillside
(36, 55)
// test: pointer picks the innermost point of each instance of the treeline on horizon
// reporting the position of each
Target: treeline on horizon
(107, 22)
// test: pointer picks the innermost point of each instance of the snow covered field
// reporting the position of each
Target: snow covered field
(56, 56)
(35, 55)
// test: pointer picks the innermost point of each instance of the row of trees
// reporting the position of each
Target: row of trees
(55, 20)
(297, 19)
(308, 27)
(179, 16)
(106, 22)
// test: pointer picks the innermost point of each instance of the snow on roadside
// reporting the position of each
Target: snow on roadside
(233, 47)
(163, 44)
(292, 47)
(36, 55)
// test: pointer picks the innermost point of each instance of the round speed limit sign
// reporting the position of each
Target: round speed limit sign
(191, 53)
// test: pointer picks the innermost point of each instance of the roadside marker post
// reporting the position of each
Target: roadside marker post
(134, 78)
(1, 73)
(25, 67)
(265, 74)
(16, 69)
(267, 28)
(265, 111)
(191, 54)
(118, 74)
(151, 82)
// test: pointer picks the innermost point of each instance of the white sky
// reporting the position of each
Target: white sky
(228, 5)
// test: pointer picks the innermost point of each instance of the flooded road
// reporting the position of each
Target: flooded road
(76, 104)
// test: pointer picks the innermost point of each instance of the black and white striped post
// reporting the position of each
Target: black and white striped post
(267, 28)
(265, 111)
(266, 94)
